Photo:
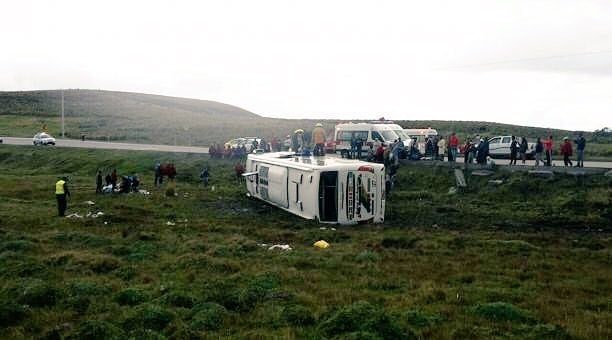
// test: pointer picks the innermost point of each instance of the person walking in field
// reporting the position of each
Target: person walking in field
(114, 179)
(514, 147)
(580, 145)
(99, 182)
(205, 175)
(548, 148)
(523, 150)
(539, 149)
(61, 194)
(566, 151)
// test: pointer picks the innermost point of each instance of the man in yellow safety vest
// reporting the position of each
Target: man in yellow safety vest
(61, 191)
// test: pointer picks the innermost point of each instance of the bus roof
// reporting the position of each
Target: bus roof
(310, 163)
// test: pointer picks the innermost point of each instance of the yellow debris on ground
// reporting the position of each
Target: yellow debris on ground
(321, 244)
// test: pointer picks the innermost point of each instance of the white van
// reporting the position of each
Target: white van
(420, 135)
(370, 133)
(326, 189)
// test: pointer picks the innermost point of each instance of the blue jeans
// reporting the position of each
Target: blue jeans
(580, 158)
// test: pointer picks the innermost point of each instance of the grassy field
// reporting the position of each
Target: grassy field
(524, 259)
(143, 118)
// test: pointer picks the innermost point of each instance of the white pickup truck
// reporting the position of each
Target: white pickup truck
(499, 147)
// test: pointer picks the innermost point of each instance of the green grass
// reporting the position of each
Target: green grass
(524, 259)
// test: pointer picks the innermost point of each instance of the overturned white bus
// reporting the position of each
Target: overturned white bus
(326, 189)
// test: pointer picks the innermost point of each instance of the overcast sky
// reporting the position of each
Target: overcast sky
(540, 63)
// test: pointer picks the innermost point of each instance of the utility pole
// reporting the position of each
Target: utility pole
(63, 129)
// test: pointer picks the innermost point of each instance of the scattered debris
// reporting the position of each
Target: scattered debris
(324, 228)
(321, 244)
(284, 247)
(460, 178)
(144, 192)
(75, 215)
(541, 173)
(496, 181)
(90, 202)
(435, 226)
(482, 173)
(452, 190)
(170, 223)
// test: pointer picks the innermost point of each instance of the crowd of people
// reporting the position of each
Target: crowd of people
(477, 151)
(129, 183)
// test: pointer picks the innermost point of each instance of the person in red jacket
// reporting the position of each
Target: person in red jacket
(566, 151)
(548, 148)
(453, 145)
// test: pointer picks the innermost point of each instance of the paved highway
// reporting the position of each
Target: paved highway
(74, 143)
(556, 163)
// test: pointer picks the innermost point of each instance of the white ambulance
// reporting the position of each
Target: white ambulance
(372, 134)
(326, 189)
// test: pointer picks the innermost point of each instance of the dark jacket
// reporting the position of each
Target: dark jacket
(524, 146)
(514, 146)
(580, 143)
(539, 148)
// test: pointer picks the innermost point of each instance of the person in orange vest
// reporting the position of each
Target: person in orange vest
(61, 192)
(318, 138)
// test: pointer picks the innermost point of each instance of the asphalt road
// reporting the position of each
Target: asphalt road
(73, 143)
(555, 162)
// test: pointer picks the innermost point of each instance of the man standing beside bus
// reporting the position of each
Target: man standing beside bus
(318, 138)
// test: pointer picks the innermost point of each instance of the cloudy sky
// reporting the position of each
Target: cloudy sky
(533, 62)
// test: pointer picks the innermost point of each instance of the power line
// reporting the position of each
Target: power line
(569, 55)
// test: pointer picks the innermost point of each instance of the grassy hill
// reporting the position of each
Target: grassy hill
(145, 118)
(495, 261)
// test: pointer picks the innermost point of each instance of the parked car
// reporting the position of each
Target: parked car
(499, 147)
(43, 138)
(246, 141)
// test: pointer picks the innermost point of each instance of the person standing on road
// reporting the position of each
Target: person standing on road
(523, 150)
(99, 182)
(566, 151)
(539, 148)
(467, 149)
(397, 150)
(580, 145)
(453, 145)
(514, 147)
(548, 148)
(441, 147)
(318, 138)
(61, 194)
